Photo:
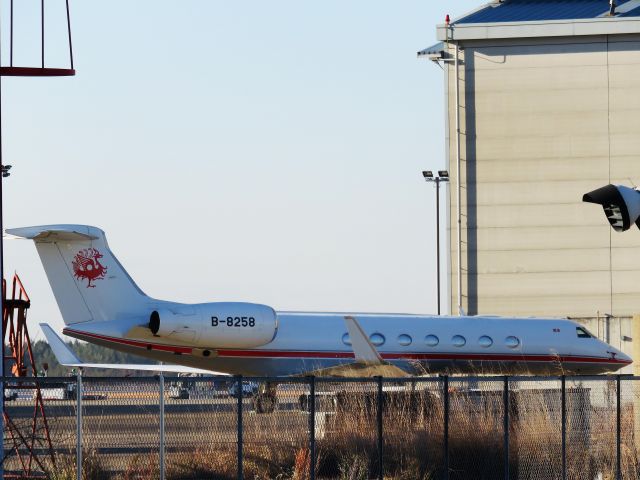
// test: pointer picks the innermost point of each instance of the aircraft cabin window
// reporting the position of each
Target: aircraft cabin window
(404, 340)
(346, 339)
(583, 333)
(431, 340)
(485, 341)
(512, 342)
(377, 339)
(458, 340)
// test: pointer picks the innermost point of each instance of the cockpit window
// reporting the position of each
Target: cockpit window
(583, 333)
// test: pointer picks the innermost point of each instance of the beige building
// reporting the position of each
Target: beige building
(543, 105)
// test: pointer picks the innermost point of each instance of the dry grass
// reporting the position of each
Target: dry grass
(65, 467)
(413, 441)
(277, 444)
(267, 462)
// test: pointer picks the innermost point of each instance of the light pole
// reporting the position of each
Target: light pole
(443, 176)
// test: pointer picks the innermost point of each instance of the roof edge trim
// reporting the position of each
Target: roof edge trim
(547, 28)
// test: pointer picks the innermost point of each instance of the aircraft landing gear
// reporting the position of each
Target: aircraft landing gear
(265, 400)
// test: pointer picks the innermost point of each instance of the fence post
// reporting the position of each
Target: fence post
(445, 387)
(239, 393)
(162, 440)
(380, 440)
(312, 428)
(618, 429)
(563, 406)
(2, 385)
(79, 425)
(505, 399)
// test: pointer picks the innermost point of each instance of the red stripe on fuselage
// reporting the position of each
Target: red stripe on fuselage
(418, 356)
(229, 353)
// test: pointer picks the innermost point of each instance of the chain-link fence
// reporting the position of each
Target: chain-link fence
(322, 428)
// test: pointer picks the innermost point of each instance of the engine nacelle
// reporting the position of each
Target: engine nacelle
(217, 325)
(621, 205)
(237, 325)
(163, 322)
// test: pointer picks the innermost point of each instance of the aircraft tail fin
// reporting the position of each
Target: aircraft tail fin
(87, 280)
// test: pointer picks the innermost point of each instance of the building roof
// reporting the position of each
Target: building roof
(543, 18)
(433, 51)
(540, 10)
(634, 12)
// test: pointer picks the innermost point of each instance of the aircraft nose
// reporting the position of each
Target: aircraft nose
(621, 357)
(624, 357)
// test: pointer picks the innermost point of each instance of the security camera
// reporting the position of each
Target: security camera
(621, 205)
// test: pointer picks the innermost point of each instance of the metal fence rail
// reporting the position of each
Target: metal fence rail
(327, 428)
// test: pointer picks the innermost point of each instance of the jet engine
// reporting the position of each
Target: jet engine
(621, 205)
(164, 322)
(217, 325)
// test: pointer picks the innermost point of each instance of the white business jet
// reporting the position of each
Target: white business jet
(101, 304)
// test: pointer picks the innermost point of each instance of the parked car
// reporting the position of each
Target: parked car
(249, 389)
(10, 394)
(57, 391)
(179, 390)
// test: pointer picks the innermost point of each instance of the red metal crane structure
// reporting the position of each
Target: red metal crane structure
(26, 438)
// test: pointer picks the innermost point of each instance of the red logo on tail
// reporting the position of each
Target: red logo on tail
(86, 264)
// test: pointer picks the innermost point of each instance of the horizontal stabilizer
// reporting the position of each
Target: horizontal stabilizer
(55, 232)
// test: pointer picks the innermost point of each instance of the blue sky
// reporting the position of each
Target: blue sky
(258, 151)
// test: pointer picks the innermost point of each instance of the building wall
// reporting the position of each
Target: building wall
(544, 121)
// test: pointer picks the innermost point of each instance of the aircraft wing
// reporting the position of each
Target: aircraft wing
(66, 357)
(368, 361)
(143, 367)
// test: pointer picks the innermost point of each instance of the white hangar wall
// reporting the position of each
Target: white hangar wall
(543, 121)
